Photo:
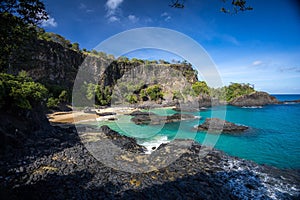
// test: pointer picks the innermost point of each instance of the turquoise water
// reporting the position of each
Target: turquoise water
(273, 137)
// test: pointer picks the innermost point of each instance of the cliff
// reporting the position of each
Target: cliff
(53, 64)
(254, 99)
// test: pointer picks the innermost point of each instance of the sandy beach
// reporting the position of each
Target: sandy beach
(72, 117)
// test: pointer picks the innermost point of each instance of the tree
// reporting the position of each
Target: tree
(75, 46)
(63, 97)
(29, 11)
(237, 89)
(18, 21)
(200, 87)
(154, 92)
(234, 7)
(177, 95)
(131, 98)
(19, 92)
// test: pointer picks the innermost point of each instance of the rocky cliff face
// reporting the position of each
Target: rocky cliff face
(254, 99)
(51, 63)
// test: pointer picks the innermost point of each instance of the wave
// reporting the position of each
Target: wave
(290, 102)
(244, 173)
(154, 143)
(252, 107)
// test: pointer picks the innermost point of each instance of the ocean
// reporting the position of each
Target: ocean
(273, 137)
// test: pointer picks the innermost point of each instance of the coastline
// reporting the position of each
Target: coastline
(72, 117)
(59, 166)
(60, 159)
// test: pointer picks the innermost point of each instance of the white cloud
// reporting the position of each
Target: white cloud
(257, 62)
(49, 22)
(148, 20)
(112, 10)
(166, 16)
(112, 5)
(133, 18)
(113, 19)
(83, 7)
(230, 39)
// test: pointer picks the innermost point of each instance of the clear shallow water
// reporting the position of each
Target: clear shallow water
(273, 137)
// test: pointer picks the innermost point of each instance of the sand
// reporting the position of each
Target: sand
(73, 117)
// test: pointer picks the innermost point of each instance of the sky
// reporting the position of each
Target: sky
(261, 47)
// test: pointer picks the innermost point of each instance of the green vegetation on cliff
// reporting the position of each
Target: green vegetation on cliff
(154, 92)
(238, 89)
(20, 92)
(232, 91)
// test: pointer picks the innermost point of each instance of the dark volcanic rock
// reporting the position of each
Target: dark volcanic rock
(140, 113)
(290, 101)
(254, 99)
(106, 114)
(124, 142)
(202, 102)
(45, 170)
(215, 124)
(145, 118)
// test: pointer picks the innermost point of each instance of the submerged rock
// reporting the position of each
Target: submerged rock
(254, 99)
(215, 124)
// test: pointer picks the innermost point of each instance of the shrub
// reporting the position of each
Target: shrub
(143, 95)
(237, 89)
(132, 98)
(177, 95)
(52, 102)
(20, 91)
(63, 97)
(200, 87)
(154, 92)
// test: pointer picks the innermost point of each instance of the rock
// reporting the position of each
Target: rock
(202, 102)
(126, 143)
(145, 118)
(140, 113)
(215, 124)
(112, 119)
(106, 114)
(290, 101)
(254, 99)
(89, 110)
(205, 101)
(73, 173)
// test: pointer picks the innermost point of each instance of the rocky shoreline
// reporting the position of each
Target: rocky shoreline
(220, 126)
(56, 165)
(149, 118)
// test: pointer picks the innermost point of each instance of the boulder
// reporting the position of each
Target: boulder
(149, 118)
(102, 114)
(215, 124)
(254, 99)
(124, 142)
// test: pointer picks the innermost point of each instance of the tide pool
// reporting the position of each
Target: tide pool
(273, 137)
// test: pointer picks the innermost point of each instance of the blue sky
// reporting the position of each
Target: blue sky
(260, 46)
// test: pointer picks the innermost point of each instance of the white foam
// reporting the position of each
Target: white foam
(265, 185)
(290, 103)
(152, 145)
(252, 107)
